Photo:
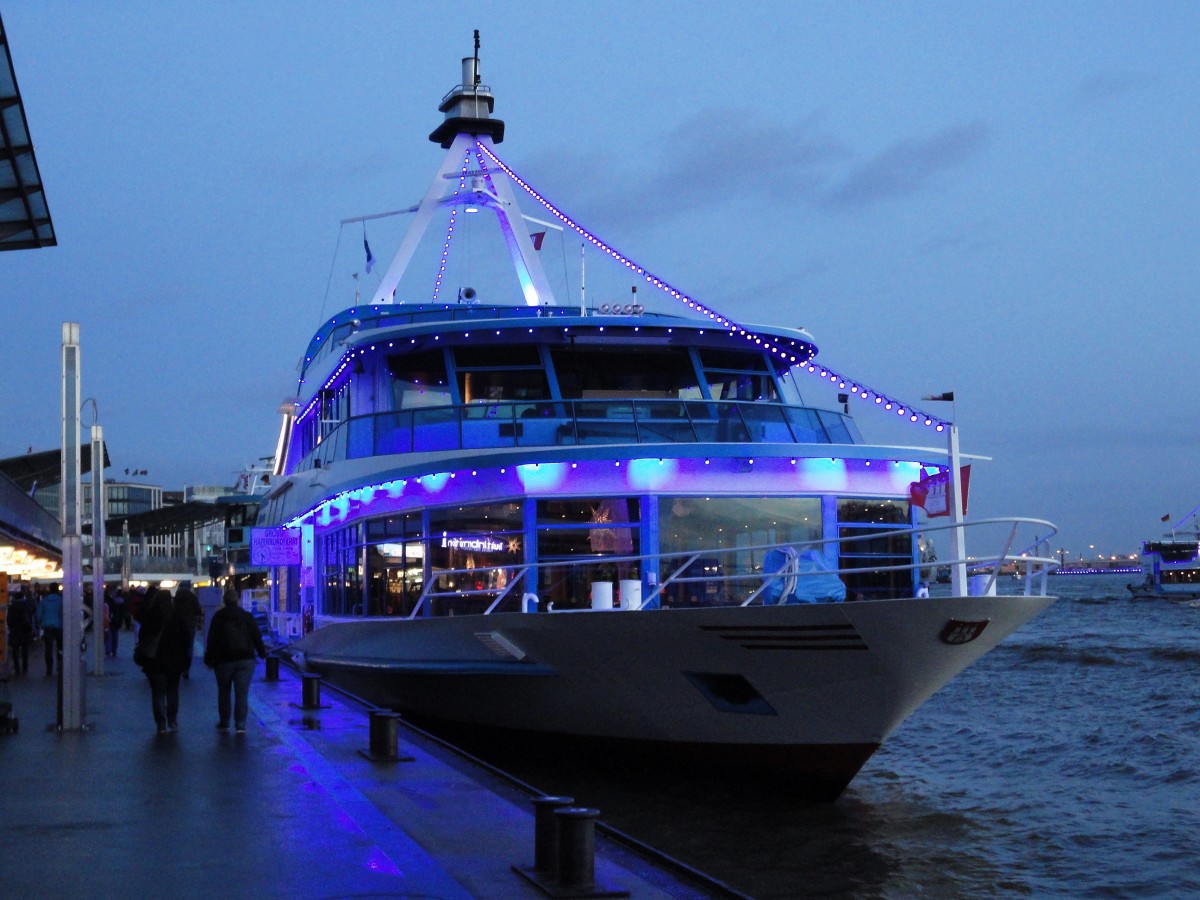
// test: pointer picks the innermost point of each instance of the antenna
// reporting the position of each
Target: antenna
(476, 57)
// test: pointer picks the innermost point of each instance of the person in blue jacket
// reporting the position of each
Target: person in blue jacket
(49, 618)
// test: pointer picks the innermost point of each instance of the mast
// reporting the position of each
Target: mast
(468, 119)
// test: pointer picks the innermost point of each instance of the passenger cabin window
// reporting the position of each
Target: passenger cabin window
(419, 379)
(736, 375)
(625, 372)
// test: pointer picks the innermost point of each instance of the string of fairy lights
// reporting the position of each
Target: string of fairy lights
(855, 387)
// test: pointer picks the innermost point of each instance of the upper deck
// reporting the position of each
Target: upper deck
(381, 380)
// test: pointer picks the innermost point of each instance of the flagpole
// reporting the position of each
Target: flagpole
(958, 539)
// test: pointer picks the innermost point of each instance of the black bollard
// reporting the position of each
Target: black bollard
(311, 691)
(577, 847)
(545, 833)
(384, 744)
(385, 728)
(272, 673)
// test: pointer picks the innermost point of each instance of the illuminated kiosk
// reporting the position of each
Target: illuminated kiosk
(617, 527)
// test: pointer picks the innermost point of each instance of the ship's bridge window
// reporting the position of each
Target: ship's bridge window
(625, 372)
(419, 379)
(738, 375)
(491, 374)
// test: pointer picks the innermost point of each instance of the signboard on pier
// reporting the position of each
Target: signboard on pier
(274, 546)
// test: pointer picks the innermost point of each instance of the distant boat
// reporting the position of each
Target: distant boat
(1173, 569)
(620, 528)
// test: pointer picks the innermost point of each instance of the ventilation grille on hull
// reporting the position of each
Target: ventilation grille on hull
(839, 636)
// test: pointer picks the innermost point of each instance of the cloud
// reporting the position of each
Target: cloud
(1097, 90)
(714, 157)
(909, 165)
(721, 156)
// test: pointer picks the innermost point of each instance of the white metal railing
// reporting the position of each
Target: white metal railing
(1028, 558)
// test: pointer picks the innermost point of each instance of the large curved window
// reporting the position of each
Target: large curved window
(727, 524)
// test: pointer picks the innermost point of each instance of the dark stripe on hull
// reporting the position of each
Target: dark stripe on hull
(818, 772)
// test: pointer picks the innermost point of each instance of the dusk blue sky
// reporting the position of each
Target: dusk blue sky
(998, 199)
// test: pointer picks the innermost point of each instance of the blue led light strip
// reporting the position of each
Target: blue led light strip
(462, 183)
(857, 388)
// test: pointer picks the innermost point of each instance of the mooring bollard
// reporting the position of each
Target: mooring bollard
(576, 846)
(545, 833)
(385, 728)
(311, 691)
(272, 673)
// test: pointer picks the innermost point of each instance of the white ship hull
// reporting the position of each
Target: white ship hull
(808, 691)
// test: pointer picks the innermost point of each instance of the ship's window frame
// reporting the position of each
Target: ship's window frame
(440, 388)
(499, 373)
(602, 372)
(754, 380)
(861, 517)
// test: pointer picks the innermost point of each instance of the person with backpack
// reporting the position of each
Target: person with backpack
(230, 650)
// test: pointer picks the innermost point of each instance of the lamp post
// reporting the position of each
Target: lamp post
(99, 541)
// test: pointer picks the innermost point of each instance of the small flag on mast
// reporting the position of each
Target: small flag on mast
(537, 238)
(948, 397)
(370, 257)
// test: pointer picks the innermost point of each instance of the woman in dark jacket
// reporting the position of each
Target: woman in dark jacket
(233, 643)
(163, 654)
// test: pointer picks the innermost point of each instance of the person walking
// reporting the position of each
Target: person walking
(49, 618)
(162, 652)
(188, 606)
(233, 642)
(20, 632)
(116, 620)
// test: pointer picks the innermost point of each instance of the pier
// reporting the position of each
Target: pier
(293, 808)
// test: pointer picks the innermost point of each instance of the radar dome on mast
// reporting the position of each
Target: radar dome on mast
(468, 107)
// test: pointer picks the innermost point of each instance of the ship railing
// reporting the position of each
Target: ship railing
(763, 574)
(553, 423)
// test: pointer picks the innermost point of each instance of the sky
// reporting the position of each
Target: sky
(998, 199)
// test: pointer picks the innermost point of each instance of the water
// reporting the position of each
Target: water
(1065, 762)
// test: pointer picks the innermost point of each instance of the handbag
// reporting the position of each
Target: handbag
(147, 647)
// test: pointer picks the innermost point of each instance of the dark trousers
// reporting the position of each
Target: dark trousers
(20, 655)
(236, 675)
(52, 642)
(164, 697)
(112, 638)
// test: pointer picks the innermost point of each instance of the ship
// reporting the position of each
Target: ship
(616, 526)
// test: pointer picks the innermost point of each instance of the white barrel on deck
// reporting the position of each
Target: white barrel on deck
(977, 584)
(602, 595)
(631, 593)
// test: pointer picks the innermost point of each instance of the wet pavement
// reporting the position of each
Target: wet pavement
(293, 808)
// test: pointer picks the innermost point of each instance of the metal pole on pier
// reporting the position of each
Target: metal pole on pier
(99, 546)
(70, 667)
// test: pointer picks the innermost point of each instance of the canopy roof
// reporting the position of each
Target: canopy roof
(24, 216)
(44, 467)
